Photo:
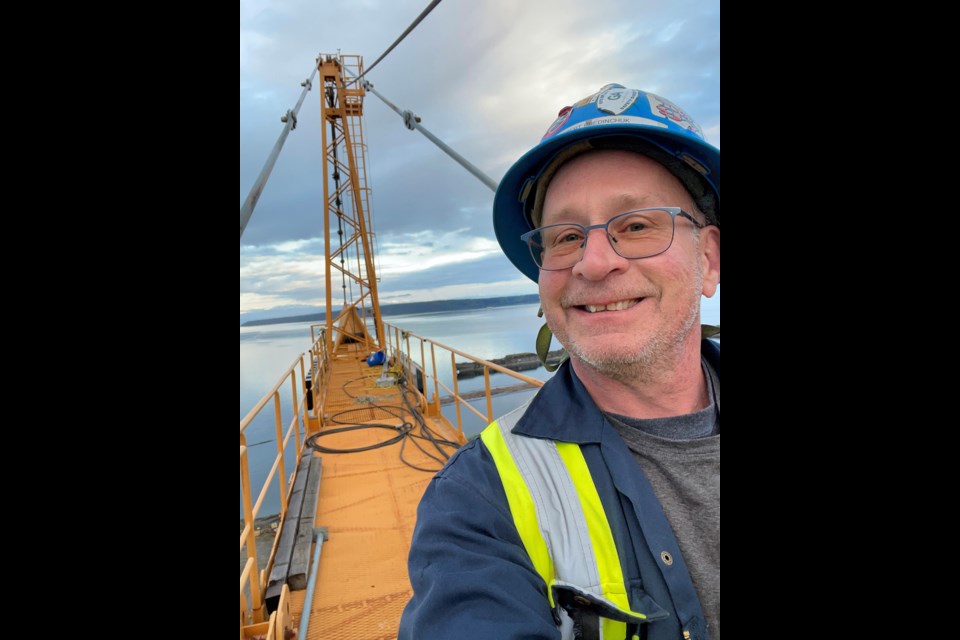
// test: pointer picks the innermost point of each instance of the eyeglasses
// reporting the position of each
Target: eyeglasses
(643, 233)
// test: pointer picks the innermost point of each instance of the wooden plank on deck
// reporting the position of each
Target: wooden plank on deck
(288, 533)
(300, 559)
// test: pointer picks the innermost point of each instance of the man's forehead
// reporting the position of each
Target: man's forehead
(612, 205)
(655, 186)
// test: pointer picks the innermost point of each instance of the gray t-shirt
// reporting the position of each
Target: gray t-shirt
(681, 458)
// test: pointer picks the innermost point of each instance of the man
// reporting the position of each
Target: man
(593, 511)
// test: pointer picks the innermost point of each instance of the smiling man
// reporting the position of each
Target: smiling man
(593, 511)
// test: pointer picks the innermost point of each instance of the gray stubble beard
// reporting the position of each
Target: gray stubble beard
(656, 359)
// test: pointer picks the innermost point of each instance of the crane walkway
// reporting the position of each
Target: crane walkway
(367, 501)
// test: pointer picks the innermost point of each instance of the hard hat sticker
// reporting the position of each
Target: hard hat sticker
(670, 111)
(559, 122)
(588, 100)
(617, 100)
(615, 120)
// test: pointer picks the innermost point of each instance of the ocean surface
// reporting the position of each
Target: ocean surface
(267, 351)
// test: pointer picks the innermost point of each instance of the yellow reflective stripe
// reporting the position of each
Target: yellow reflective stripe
(601, 537)
(521, 505)
(612, 629)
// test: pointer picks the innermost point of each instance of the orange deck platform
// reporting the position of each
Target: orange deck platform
(368, 502)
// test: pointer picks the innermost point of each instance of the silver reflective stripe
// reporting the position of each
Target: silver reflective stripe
(559, 514)
(548, 511)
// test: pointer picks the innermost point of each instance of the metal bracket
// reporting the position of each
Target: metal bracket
(409, 119)
(289, 115)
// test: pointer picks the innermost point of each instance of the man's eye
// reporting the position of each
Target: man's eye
(570, 238)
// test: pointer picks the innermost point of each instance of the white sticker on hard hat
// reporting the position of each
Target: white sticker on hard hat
(617, 100)
(670, 111)
(647, 122)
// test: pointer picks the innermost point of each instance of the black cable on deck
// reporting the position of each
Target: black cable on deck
(405, 431)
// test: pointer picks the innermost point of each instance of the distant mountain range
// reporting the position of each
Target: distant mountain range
(407, 308)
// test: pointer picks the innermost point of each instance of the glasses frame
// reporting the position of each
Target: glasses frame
(673, 211)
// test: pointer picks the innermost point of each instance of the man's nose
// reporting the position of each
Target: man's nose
(599, 259)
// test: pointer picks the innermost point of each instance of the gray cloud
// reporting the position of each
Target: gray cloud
(487, 270)
(488, 77)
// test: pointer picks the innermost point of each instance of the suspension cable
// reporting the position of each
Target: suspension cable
(413, 122)
(413, 26)
(290, 122)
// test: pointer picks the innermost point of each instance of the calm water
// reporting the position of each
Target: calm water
(267, 351)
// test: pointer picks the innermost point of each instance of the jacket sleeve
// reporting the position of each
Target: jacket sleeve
(471, 576)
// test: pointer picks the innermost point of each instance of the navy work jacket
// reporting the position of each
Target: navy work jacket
(472, 577)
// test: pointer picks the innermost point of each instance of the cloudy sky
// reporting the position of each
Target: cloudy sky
(487, 77)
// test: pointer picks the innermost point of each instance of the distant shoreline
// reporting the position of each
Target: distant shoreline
(404, 308)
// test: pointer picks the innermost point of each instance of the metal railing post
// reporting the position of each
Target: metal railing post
(436, 380)
(423, 370)
(456, 392)
(282, 468)
(486, 382)
(251, 536)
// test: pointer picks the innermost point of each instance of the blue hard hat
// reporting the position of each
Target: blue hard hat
(613, 118)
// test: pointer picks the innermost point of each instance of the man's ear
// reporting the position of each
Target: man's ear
(710, 257)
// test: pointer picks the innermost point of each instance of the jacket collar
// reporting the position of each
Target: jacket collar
(563, 410)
